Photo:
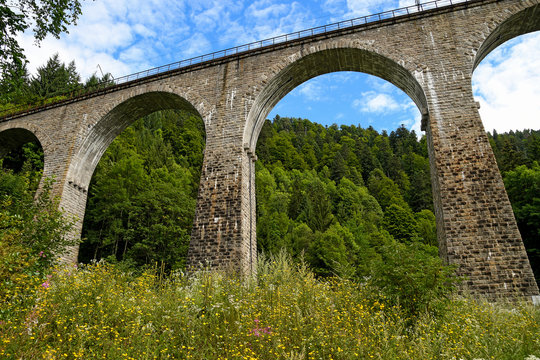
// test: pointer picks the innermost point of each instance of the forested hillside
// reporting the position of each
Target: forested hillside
(345, 199)
(336, 196)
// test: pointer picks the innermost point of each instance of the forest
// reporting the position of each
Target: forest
(341, 198)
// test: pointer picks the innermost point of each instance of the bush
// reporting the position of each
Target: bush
(33, 232)
(413, 277)
(101, 312)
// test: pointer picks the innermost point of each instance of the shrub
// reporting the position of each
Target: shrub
(33, 232)
(413, 277)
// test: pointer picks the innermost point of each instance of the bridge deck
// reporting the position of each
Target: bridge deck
(221, 56)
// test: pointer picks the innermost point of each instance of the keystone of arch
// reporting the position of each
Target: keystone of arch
(323, 58)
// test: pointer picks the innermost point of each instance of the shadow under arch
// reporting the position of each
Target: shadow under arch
(113, 123)
(13, 138)
(524, 22)
(323, 62)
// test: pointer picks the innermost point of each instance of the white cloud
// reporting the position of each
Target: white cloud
(264, 9)
(411, 122)
(372, 102)
(381, 85)
(122, 36)
(339, 116)
(362, 7)
(507, 84)
(103, 36)
(310, 90)
(198, 44)
(209, 18)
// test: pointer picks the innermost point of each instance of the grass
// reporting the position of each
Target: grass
(101, 312)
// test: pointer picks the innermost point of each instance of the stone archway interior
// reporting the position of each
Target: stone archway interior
(11, 139)
(323, 62)
(116, 121)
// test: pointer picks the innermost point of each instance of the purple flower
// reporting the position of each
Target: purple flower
(46, 284)
(42, 254)
(257, 331)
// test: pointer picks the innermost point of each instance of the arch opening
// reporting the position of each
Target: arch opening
(329, 193)
(142, 194)
(323, 62)
(524, 22)
(21, 154)
(113, 123)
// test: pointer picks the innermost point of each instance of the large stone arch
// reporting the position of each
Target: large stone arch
(523, 22)
(101, 133)
(108, 127)
(306, 65)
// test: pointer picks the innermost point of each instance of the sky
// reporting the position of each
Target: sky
(127, 36)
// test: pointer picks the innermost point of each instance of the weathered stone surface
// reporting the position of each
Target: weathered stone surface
(429, 55)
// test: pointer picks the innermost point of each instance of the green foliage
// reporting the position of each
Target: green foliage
(523, 187)
(46, 17)
(285, 312)
(413, 277)
(400, 223)
(518, 155)
(426, 228)
(54, 78)
(385, 190)
(54, 82)
(333, 222)
(417, 169)
(33, 232)
(27, 160)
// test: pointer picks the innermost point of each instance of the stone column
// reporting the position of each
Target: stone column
(250, 211)
(73, 205)
(220, 236)
(476, 227)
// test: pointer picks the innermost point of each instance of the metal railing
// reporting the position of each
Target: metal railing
(242, 49)
(319, 30)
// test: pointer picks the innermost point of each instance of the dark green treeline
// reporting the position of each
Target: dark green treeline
(343, 198)
(332, 195)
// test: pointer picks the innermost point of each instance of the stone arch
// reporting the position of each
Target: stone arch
(12, 138)
(97, 139)
(523, 22)
(102, 134)
(301, 67)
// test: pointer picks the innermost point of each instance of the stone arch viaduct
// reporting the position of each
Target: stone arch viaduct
(430, 55)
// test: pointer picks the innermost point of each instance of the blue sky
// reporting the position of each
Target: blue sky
(126, 36)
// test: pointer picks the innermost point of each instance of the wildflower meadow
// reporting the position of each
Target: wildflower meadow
(99, 311)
